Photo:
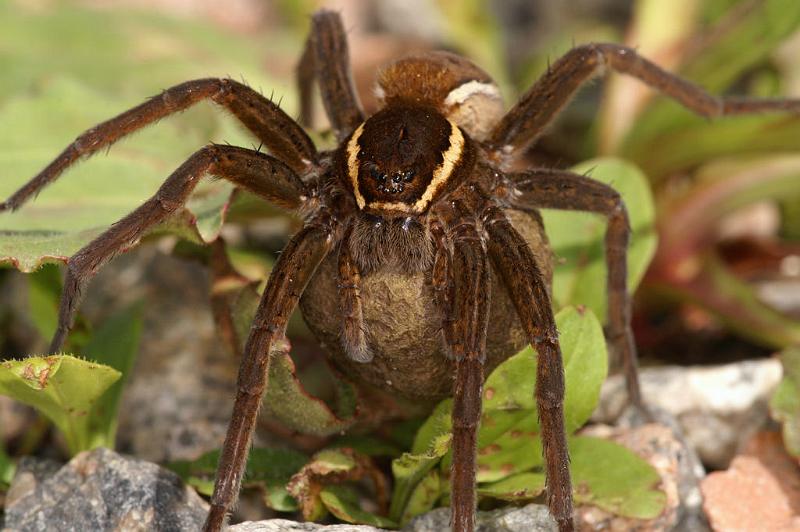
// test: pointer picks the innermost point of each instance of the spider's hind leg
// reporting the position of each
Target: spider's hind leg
(256, 172)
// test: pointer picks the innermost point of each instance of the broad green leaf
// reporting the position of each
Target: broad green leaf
(342, 501)
(115, 343)
(519, 487)
(63, 388)
(785, 403)
(267, 468)
(614, 478)
(577, 239)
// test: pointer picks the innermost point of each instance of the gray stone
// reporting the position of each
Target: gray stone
(531, 518)
(718, 408)
(100, 490)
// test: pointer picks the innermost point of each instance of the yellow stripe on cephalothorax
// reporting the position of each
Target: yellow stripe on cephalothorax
(352, 164)
(450, 158)
(441, 174)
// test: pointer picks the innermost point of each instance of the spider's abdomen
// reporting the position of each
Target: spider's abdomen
(403, 325)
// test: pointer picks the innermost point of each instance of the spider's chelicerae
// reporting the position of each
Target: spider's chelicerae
(422, 191)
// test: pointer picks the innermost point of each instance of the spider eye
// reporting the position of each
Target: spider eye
(396, 178)
(408, 175)
(376, 175)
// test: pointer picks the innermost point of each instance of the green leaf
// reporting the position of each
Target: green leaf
(785, 403)
(114, 344)
(267, 468)
(44, 290)
(577, 239)
(519, 487)
(425, 495)
(614, 478)
(63, 388)
(342, 501)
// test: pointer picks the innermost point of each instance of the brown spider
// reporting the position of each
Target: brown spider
(421, 194)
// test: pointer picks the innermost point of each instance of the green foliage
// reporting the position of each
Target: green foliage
(67, 390)
(785, 403)
(343, 502)
(577, 239)
(268, 469)
(509, 449)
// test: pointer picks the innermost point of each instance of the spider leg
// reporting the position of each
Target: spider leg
(560, 189)
(257, 172)
(354, 337)
(326, 57)
(274, 128)
(538, 107)
(465, 338)
(295, 266)
(514, 262)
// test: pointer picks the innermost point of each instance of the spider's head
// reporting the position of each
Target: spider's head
(453, 85)
(403, 158)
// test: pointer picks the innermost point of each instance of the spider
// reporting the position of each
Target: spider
(424, 191)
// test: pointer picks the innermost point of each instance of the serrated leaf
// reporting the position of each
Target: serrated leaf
(577, 239)
(785, 403)
(267, 468)
(63, 388)
(342, 501)
(614, 478)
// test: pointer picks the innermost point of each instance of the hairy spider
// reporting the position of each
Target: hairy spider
(422, 192)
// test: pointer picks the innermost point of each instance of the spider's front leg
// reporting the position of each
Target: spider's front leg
(326, 58)
(464, 329)
(281, 135)
(515, 264)
(538, 107)
(560, 189)
(294, 268)
(254, 171)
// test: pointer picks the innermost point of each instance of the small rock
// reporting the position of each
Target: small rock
(100, 490)
(531, 518)
(759, 491)
(718, 408)
(680, 474)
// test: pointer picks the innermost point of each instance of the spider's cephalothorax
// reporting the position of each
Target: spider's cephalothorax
(421, 262)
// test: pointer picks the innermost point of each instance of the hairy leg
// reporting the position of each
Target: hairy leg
(514, 262)
(326, 58)
(538, 107)
(279, 133)
(560, 189)
(296, 264)
(465, 339)
(257, 172)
